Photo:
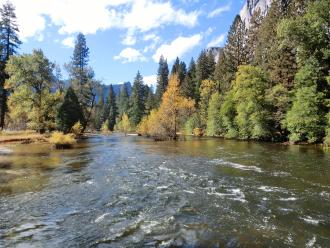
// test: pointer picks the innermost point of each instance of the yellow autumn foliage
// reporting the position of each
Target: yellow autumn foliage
(166, 120)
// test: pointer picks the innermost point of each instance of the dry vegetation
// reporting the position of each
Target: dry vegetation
(27, 136)
(61, 140)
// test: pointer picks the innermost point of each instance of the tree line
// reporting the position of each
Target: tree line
(269, 82)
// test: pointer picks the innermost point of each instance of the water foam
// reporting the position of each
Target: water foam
(237, 165)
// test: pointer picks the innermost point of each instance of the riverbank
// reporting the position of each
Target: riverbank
(24, 137)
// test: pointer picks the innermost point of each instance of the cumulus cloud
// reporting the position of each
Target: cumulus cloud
(150, 80)
(72, 16)
(68, 42)
(220, 10)
(218, 41)
(177, 47)
(130, 55)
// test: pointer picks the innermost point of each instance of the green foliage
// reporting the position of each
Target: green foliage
(251, 107)
(227, 115)
(188, 85)
(69, 112)
(110, 109)
(326, 139)
(214, 123)
(303, 119)
(236, 49)
(162, 79)
(10, 42)
(123, 100)
(31, 76)
(204, 70)
(82, 78)
(207, 88)
(105, 127)
(124, 124)
(137, 107)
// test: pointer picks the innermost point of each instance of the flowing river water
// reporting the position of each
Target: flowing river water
(116, 191)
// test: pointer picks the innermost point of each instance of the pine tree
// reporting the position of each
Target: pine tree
(253, 34)
(123, 100)
(189, 82)
(162, 79)
(69, 112)
(221, 75)
(9, 45)
(110, 109)
(150, 101)
(175, 67)
(210, 64)
(204, 70)
(82, 78)
(236, 47)
(137, 107)
(98, 119)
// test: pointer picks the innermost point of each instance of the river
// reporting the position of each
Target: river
(117, 191)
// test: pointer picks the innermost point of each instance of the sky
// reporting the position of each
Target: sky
(124, 36)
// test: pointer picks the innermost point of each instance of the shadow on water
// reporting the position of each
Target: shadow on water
(27, 168)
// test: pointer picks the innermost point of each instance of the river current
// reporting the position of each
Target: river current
(117, 191)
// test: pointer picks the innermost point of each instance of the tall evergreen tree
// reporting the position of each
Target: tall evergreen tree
(110, 113)
(253, 34)
(162, 79)
(9, 44)
(221, 75)
(204, 70)
(236, 47)
(82, 77)
(123, 100)
(69, 112)
(137, 107)
(98, 118)
(149, 101)
(175, 67)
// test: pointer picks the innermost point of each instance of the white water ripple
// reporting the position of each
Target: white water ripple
(236, 165)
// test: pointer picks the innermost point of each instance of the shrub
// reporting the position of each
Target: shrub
(77, 129)
(105, 127)
(61, 140)
(198, 132)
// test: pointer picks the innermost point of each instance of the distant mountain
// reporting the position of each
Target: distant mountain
(215, 51)
(250, 6)
(116, 89)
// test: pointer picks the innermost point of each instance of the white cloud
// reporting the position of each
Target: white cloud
(68, 42)
(218, 41)
(150, 80)
(88, 17)
(154, 39)
(219, 10)
(149, 14)
(130, 55)
(177, 47)
(129, 39)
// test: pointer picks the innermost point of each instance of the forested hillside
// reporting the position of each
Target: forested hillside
(270, 82)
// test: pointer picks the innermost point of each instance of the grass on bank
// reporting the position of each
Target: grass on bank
(26, 136)
(61, 140)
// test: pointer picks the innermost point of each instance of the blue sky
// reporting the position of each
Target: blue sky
(125, 36)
